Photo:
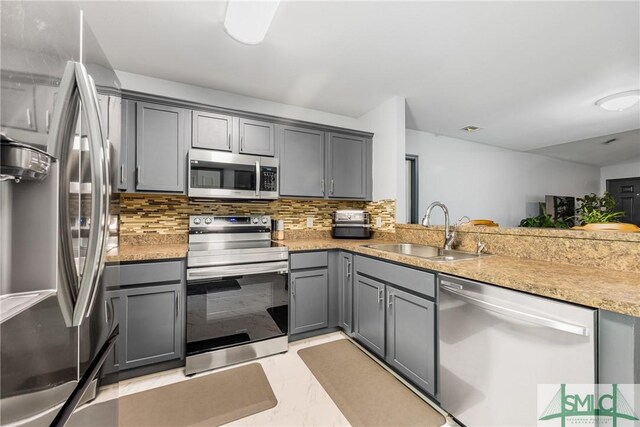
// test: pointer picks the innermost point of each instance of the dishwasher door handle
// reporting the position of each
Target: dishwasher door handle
(520, 315)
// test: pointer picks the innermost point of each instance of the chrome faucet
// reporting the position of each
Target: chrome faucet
(449, 236)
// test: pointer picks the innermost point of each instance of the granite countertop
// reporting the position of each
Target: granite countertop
(157, 252)
(616, 291)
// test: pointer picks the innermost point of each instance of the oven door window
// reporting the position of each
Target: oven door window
(236, 310)
(223, 176)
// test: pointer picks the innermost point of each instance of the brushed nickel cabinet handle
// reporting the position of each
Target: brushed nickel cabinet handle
(332, 186)
(177, 303)
(29, 121)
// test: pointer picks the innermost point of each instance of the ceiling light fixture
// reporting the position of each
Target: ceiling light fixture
(249, 21)
(619, 101)
(471, 128)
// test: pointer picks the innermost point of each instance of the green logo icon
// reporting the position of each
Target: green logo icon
(595, 406)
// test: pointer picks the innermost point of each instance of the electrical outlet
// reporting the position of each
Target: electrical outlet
(378, 222)
(309, 222)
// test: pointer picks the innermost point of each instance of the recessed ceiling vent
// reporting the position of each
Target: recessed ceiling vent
(471, 128)
(609, 141)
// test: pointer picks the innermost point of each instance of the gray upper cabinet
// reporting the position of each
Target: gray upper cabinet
(161, 135)
(110, 113)
(309, 292)
(301, 152)
(257, 138)
(345, 291)
(211, 131)
(348, 167)
(411, 337)
(151, 328)
(369, 313)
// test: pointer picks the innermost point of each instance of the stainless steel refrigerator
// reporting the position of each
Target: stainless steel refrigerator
(54, 213)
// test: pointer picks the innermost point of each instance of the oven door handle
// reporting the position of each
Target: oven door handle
(236, 270)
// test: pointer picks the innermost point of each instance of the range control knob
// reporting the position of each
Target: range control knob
(254, 220)
(207, 221)
(196, 221)
(265, 220)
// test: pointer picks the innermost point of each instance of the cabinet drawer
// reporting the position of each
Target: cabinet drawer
(405, 277)
(309, 260)
(143, 273)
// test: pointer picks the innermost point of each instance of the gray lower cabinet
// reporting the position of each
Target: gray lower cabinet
(394, 317)
(151, 328)
(257, 138)
(308, 307)
(211, 131)
(345, 291)
(411, 337)
(301, 153)
(347, 167)
(369, 313)
(162, 134)
(147, 301)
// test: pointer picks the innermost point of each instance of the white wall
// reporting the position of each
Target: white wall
(387, 122)
(218, 98)
(628, 169)
(485, 182)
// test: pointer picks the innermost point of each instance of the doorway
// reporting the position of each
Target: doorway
(626, 193)
(411, 184)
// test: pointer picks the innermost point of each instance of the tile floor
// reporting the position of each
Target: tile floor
(301, 399)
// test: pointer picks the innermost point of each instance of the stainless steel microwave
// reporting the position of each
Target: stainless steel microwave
(217, 175)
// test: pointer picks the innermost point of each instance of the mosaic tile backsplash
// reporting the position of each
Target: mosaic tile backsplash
(142, 214)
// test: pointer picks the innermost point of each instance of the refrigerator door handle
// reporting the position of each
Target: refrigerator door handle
(76, 292)
(101, 169)
(517, 314)
(62, 132)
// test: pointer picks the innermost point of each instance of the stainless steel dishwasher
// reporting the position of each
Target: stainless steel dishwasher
(497, 345)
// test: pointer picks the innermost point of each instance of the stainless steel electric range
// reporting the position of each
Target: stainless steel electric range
(237, 291)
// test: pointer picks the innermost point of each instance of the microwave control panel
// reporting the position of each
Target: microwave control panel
(269, 178)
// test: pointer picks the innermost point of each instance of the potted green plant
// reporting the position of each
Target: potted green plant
(543, 220)
(599, 213)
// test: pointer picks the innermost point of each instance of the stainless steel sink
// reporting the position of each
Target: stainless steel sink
(423, 251)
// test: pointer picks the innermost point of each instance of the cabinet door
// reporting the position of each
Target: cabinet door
(211, 131)
(369, 313)
(309, 309)
(152, 329)
(110, 114)
(161, 132)
(257, 138)
(347, 167)
(411, 337)
(301, 154)
(18, 105)
(345, 296)
(113, 312)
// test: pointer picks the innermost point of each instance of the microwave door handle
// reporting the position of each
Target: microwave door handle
(258, 178)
